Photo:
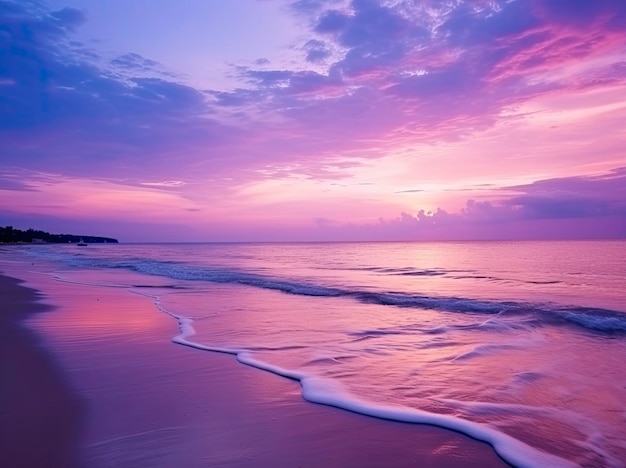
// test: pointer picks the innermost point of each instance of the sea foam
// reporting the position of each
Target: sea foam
(331, 393)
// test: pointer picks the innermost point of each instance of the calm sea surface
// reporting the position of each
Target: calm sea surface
(521, 344)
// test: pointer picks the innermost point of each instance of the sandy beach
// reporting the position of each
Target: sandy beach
(41, 417)
(91, 378)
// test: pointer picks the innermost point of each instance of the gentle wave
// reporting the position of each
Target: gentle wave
(452, 274)
(331, 393)
(590, 318)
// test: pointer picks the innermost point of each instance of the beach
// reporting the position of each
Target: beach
(92, 378)
(41, 417)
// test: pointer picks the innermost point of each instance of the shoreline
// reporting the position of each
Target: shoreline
(41, 416)
(150, 402)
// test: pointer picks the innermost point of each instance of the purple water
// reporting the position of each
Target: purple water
(520, 344)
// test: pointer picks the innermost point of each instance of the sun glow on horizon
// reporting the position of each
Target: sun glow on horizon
(329, 116)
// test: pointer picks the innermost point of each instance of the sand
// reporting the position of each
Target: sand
(40, 416)
(91, 378)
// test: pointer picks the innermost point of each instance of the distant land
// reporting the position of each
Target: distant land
(9, 235)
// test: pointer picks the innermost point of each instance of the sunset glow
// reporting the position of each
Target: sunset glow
(254, 120)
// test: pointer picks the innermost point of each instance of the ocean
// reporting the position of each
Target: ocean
(519, 344)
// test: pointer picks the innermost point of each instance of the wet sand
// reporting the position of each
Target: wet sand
(94, 380)
(41, 418)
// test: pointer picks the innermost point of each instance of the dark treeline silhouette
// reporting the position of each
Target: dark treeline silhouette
(9, 235)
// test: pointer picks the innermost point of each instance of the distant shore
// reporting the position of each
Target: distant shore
(114, 391)
(10, 235)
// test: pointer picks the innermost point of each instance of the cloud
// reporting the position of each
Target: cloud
(569, 207)
(572, 197)
(373, 76)
(95, 199)
(10, 183)
(58, 107)
(316, 51)
(134, 61)
(582, 14)
(369, 26)
(581, 197)
(429, 71)
(469, 25)
(382, 71)
(165, 184)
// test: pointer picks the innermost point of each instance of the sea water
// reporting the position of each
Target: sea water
(520, 344)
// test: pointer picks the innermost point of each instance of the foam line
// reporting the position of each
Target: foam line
(331, 393)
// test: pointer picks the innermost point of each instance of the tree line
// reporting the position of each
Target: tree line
(10, 235)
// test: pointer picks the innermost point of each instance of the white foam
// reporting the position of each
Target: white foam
(331, 392)
(187, 330)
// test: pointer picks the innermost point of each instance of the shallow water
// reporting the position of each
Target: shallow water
(517, 343)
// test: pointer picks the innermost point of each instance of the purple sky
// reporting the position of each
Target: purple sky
(246, 120)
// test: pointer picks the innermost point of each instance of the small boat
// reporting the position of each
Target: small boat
(81, 243)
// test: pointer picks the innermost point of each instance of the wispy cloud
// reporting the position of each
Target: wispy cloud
(165, 183)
